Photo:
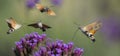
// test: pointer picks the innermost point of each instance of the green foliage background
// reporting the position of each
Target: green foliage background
(80, 11)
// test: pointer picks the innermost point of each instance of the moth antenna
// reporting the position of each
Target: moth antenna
(76, 24)
(77, 29)
(75, 34)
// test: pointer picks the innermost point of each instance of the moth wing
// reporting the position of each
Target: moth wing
(9, 25)
(17, 26)
(11, 22)
(94, 27)
(46, 26)
(39, 6)
(97, 26)
(50, 12)
(92, 32)
(35, 25)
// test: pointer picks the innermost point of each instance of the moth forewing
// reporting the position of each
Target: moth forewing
(39, 6)
(98, 25)
(46, 26)
(17, 26)
(40, 25)
(11, 22)
(50, 12)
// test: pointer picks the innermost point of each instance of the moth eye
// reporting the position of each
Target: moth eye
(85, 31)
(90, 35)
(12, 30)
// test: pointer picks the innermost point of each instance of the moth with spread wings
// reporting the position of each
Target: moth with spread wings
(40, 25)
(13, 25)
(45, 9)
(90, 30)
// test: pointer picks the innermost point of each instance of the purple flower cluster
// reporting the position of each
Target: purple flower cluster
(111, 28)
(58, 48)
(31, 3)
(30, 43)
(56, 2)
(26, 45)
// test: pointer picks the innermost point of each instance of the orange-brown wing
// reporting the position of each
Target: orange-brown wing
(39, 6)
(97, 26)
(11, 22)
(50, 12)
(94, 25)
(92, 31)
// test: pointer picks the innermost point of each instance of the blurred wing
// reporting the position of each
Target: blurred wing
(39, 6)
(97, 26)
(9, 25)
(11, 22)
(46, 26)
(35, 25)
(93, 26)
(50, 12)
(17, 26)
(92, 32)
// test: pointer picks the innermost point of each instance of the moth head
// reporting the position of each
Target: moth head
(83, 29)
(10, 31)
(93, 38)
(46, 8)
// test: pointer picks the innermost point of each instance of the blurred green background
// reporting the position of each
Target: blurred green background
(80, 11)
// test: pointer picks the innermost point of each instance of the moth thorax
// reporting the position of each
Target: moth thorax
(10, 30)
(17, 26)
(82, 28)
(45, 9)
(40, 24)
(90, 34)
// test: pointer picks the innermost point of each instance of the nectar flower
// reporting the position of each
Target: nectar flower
(39, 45)
(27, 44)
(56, 2)
(111, 27)
(58, 48)
(31, 3)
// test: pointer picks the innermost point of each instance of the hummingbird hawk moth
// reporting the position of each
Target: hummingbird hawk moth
(90, 29)
(40, 25)
(13, 25)
(45, 9)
